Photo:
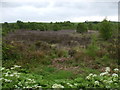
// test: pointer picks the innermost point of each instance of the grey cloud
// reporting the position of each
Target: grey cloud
(57, 11)
(105, 8)
(70, 4)
(91, 8)
(19, 4)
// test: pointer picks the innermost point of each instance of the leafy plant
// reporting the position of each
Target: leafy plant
(93, 47)
(81, 28)
(106, 29)
(13, 78)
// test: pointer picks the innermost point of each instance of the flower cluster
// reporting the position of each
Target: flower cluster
(11, 78)
(105, 79)
(91, 76)
(57, 86)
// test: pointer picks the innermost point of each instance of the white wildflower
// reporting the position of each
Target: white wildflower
(16, 66)
(104, 81)
(6, 74)
(96, 82)
(69, 84)
(110, 81)
(94, 75)
(1, 79)
(28, 87)
(90, 74)
(107, 86)
(104, 73)
(2, 68)
(11, 75)
(116, 83)
(38, 86)
(16, 86)
(115, 79)
(16, 73)
(107, 69)
(12, 68)
(75, 84)
(57, 86)
(88, 77)
(114, 75)
(7, 80)
(20, 84)
(116, 69)
(7, 69)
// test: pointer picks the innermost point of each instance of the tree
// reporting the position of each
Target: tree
(5, 28)
(106, 29)
(81, 27)
(55, 27)
(20, 24)
(41, 27)
(90, 26)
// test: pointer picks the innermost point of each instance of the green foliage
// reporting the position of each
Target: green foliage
(90, 26)
(14, 77)
(43, 62)
(81, 28)
(56, 27)
(20, 24)
(93, 47)
(13, 53)
(106, 29)
(61, 74)
(66, 25)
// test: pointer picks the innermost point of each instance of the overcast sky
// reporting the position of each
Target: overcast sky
(58, 10)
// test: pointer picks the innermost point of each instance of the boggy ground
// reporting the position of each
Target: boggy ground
(49, 52)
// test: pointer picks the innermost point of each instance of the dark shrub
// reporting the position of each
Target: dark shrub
(81, 28)
(106, 29)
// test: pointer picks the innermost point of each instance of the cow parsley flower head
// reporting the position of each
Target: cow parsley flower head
(116, 69)
(110, 81)
(97, 83)
(16, 66)
(88, 77)
(104, 81)
(75, 84)
(104, 73)
(7, 80)
(107, 69)
(2, 68)
(107, 86)
(94, 75)
(57, 86)
(90, 74)
(114, 75)
(69, 84)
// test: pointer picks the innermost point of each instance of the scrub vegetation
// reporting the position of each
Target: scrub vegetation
(60, 55)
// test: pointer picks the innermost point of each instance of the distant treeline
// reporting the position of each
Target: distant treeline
(66, 25)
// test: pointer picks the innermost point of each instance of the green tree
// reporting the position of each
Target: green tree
(41, 27)
(90, 26)
(55, 27)
(93, 48)
(20, 24)
(106, 29)
(81, 27)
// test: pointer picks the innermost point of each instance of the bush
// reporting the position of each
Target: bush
(81, 28)
(10, 52)
(106, 29)
(92, 48)
(56, 27)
